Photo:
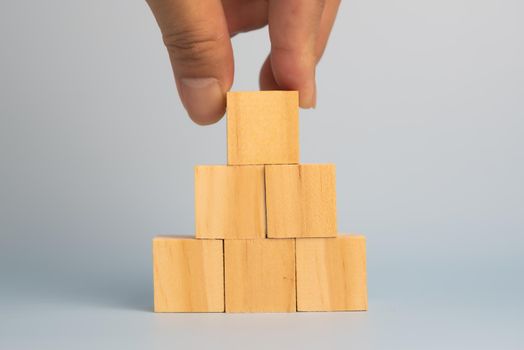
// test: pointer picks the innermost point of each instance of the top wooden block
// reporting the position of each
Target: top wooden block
(262, 127)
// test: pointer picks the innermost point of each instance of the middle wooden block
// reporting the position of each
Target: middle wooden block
(230, 202)
(260, 275)
(301, 201)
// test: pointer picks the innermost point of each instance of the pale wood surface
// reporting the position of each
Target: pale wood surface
(188, 275)
(331, 274)
(230, 202)
(260, 275)
(301, 200)
(262, 127)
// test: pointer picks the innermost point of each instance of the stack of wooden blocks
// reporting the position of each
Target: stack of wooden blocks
(266, 228)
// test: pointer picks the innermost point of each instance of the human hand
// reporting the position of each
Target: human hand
(197, 35)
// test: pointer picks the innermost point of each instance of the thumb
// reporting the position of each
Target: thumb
(197, 39)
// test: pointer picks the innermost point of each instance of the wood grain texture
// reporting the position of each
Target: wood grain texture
(188, 275)
(262, 127)
(301, 200)
(331, 274)
(230, 202)
(260, 275)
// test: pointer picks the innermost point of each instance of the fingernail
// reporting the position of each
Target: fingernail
(203, 99)
(315, 96)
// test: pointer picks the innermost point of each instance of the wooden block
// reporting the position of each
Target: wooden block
(230, 202)
(301, 201)
(188, 275)
(260, 275)
(331, 274)
(262, 127)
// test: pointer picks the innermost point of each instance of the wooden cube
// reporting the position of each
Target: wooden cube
(331, 274)
(301, 201)
(262, 127)
(230, 202)
(260, 275)
(188, 275)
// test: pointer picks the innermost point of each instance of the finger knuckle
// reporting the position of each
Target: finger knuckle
(192, 45)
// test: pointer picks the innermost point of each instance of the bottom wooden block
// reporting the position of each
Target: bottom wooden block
(188, 275)
(260, 275)
(331, 274)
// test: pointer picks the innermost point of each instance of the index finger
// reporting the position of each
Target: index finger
(293, 29)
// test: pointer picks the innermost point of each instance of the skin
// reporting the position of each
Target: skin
(197, 34)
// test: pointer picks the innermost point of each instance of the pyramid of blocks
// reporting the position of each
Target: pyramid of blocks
(266, 230)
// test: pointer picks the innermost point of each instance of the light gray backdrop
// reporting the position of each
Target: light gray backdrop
(420, 106)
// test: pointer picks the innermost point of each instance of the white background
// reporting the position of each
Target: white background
(420, 106)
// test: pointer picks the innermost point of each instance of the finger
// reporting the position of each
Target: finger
(245, 15)
(197, 38)
(293, 30)
(266, 78)
(326, 25)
